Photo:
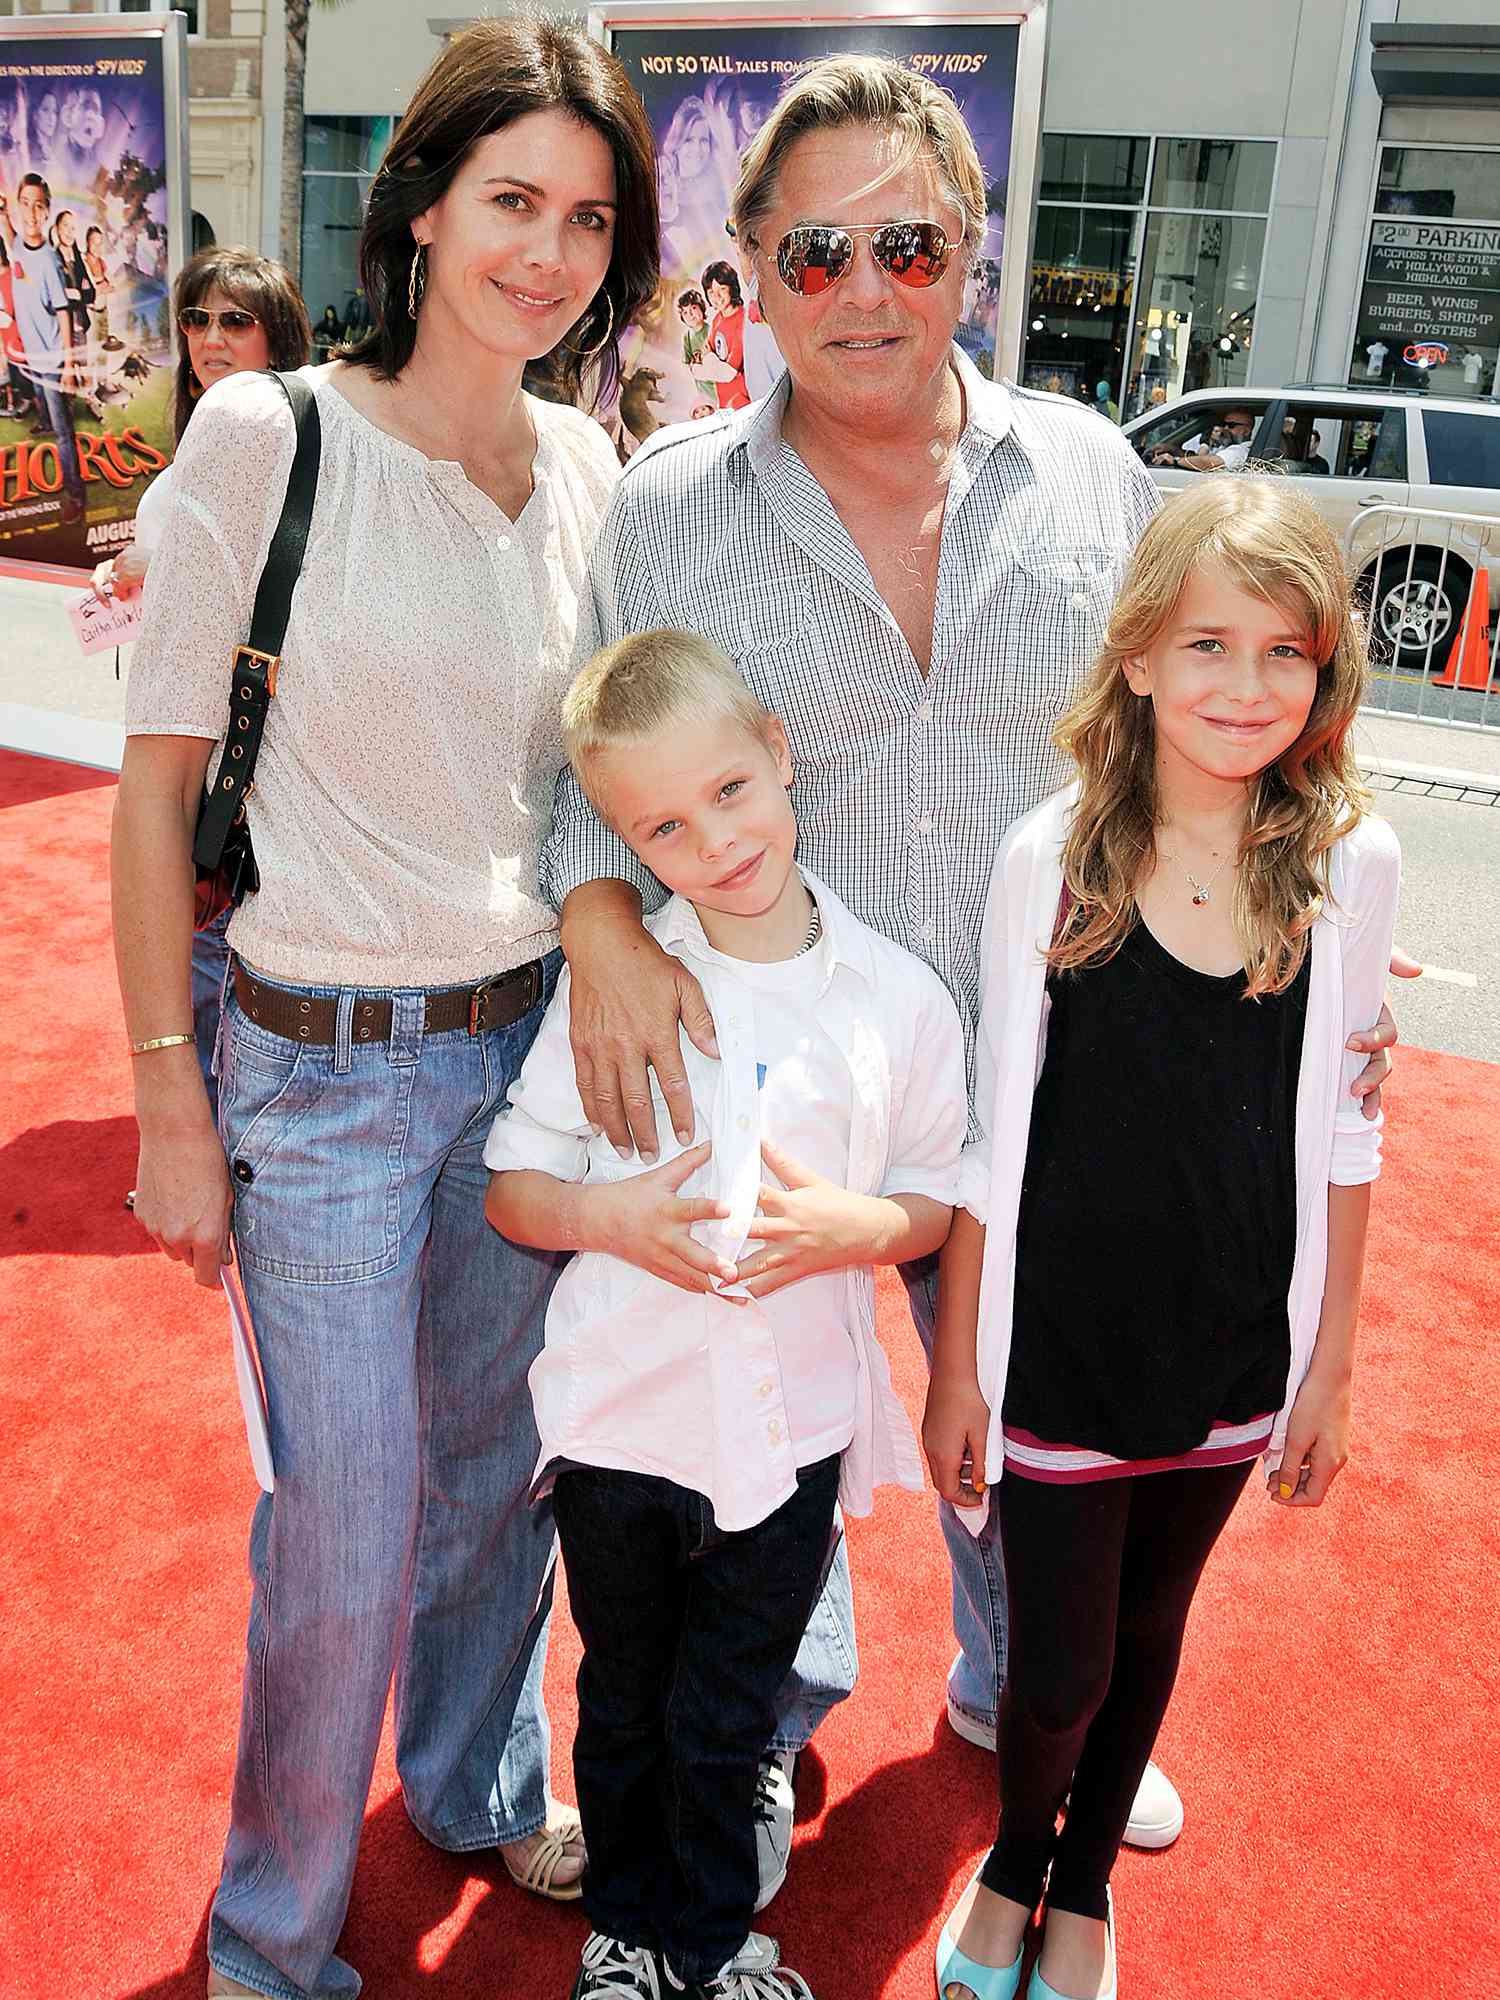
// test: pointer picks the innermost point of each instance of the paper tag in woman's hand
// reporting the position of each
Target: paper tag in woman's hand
(97, 626)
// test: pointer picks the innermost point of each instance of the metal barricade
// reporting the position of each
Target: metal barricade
(1430, 584)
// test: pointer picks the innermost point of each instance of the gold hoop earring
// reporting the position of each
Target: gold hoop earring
(416, 284)
(588, 353)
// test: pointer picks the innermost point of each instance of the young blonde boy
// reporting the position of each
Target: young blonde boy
(711, 1383)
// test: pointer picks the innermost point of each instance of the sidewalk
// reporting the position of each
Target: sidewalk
(56, 703)
(1395, 746)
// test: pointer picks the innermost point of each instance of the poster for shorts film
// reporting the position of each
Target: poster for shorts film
(85, 296)
(707, 92)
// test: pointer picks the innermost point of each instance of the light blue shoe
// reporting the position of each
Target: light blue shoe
(985, 1982)
(1040, 1990)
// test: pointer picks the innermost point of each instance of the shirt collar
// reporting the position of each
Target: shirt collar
(988, 413)
(677, 922)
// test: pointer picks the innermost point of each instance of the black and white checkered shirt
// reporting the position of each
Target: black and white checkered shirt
(904, 785)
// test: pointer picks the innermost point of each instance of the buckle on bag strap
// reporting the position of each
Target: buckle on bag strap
(257, 665)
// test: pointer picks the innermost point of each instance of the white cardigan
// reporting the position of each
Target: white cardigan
(1335, 1142)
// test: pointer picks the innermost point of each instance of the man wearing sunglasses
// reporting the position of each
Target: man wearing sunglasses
(912, 567)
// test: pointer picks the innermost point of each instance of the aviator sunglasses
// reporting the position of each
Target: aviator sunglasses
(198, 319)
(815, 255)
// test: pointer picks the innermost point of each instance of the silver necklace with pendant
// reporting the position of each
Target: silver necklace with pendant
(1201, 890)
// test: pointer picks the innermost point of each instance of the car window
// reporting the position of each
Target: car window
(1197, 427)
(1321, 440)
(1462, 449)
(1162, 430)
(1383, 450)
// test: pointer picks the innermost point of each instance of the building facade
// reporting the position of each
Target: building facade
(1306, 190)
(1298, 190)
(1303, 189)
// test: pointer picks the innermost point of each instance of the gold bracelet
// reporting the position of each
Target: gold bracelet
(161, 1042)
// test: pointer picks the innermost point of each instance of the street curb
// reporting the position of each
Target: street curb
(71, 739)
(1430, 774)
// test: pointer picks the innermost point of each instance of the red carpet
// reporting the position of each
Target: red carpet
(1332, 1734)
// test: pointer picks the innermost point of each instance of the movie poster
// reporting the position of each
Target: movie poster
(707, 92)
(85, 291)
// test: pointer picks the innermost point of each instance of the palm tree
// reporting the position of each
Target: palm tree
(291, 131)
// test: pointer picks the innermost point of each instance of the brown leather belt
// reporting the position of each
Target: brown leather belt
(493, 1003)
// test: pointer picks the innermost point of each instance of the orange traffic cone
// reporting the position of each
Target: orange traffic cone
(1469, 662)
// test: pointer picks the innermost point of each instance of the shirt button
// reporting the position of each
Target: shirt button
(743, 1122)
(503, 542)
(927, 931)
(924, 712)
(773, 1431)
(1079, 600)
(765, 1390)
(924, 824)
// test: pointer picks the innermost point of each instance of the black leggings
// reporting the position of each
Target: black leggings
(1099, 1577)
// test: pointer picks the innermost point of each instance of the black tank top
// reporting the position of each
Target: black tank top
(1158, 1214)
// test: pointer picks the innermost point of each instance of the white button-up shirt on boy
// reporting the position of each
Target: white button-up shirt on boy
(639, 1375)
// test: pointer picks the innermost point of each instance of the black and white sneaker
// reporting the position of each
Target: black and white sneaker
(754, 1973)
(611, 1970)
(775, 1809)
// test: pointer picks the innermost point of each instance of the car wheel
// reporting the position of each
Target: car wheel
(1415, 612)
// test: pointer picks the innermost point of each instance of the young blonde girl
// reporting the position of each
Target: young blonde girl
(1155, 1275)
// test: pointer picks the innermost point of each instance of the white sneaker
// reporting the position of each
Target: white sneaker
(755, 1973)
(972, 1728)
(610, 1970)
(775, 1809)
(1156, 1815)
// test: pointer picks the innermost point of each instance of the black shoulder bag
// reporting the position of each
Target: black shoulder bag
(222, 854)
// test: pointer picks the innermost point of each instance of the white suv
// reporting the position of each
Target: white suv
(1350, 450)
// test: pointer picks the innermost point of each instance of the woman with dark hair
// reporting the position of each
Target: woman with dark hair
(327, 334)
(389, 976)
(236, 312)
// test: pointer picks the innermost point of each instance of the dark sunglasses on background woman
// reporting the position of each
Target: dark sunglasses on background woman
(198, 319)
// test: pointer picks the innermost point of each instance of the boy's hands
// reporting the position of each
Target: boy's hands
(647, 1223)
(955, 1430)
(808, 1224)
(1317, 1442)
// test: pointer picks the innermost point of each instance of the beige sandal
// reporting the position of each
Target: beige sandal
(560, 1841)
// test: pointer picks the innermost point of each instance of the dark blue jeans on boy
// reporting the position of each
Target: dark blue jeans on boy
(688, 1634)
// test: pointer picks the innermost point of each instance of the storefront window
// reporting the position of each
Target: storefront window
(1196, 315)
(1213, 174)
(1089, 166)
(1429, 313)
(1424, 180)
(1082, 285)
(339, 157)
(1145, 297)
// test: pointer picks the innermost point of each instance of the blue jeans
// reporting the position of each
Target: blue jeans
(827, 1660)
(395, 1332)
(687, 1635)
(59, 410)
(209, 968)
